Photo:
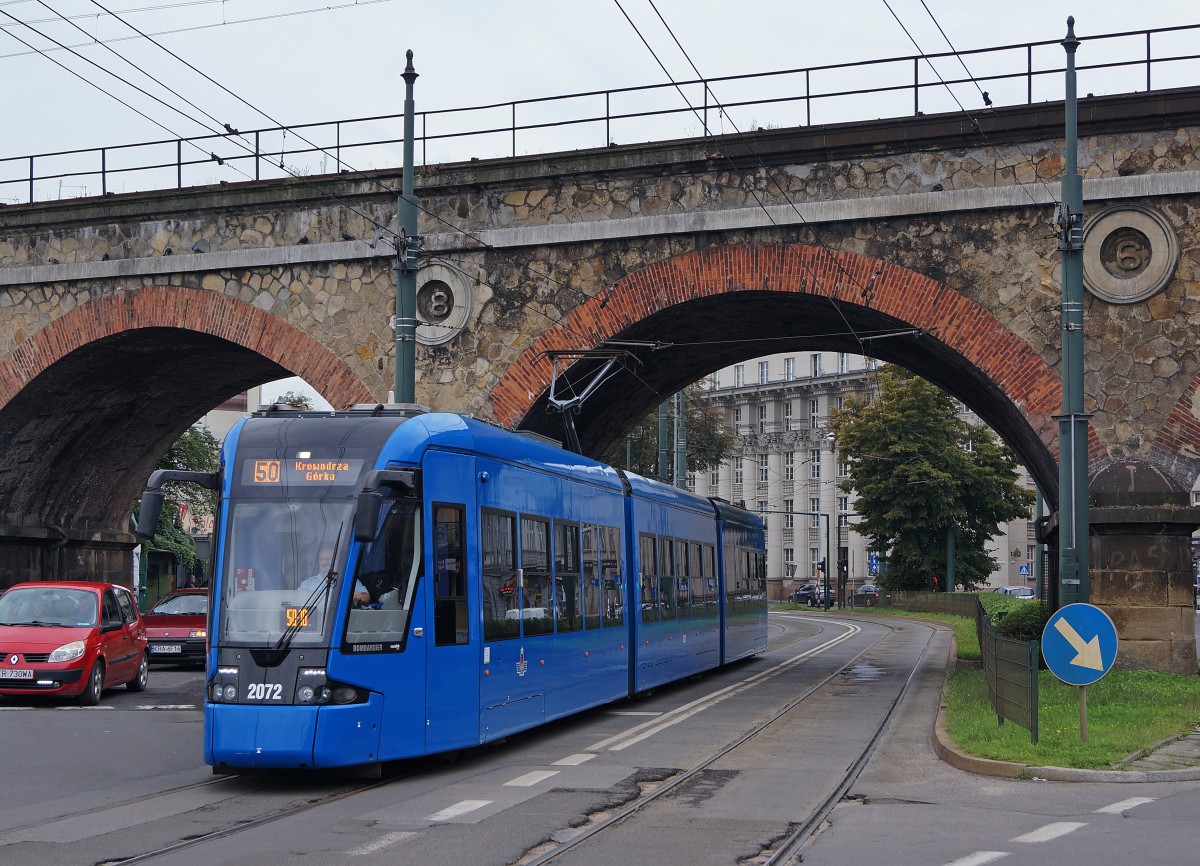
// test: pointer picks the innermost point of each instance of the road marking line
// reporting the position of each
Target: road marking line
(1050, 831)
(382, 842)
(166, 707)
(978, 858)
(1131, 803)
(531, 779)
(632, 713)
(458, 809)
(572, 760)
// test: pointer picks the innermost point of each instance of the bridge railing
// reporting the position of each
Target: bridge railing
(1016, 74)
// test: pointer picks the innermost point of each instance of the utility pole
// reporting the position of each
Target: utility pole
(680, 442)
(1072, 423)
(406, 258)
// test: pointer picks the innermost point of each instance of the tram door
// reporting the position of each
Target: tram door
(452, 664)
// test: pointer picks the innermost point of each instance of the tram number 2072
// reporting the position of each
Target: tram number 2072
(264, 692)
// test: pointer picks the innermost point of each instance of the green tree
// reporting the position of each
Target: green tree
(195, 451)
(918, 468)
(709, 439)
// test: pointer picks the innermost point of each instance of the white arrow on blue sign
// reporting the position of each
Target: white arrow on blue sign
(1079, 644)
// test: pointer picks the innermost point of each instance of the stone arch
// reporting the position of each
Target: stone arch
(89, 402)
(965, 350)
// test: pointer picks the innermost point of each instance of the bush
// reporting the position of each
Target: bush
(1024, 621)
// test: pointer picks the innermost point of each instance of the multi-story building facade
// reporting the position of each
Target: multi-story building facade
(787, 466)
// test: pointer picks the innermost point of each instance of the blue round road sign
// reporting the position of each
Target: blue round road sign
(1079, 644)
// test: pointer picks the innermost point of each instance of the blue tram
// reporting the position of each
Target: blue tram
(391, 582)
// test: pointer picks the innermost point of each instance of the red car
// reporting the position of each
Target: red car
(70, 639)
(177, 627)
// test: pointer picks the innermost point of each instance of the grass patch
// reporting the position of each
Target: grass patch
(1127, 711)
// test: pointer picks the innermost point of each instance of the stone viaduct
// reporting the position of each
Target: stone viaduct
(927, 242)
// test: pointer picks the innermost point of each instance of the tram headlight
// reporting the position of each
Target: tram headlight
(345, 695)
(306, 694)
(223, 688)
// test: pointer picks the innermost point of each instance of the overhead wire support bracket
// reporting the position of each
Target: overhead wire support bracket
(568, 407)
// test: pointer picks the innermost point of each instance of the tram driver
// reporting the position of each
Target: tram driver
(324, 564)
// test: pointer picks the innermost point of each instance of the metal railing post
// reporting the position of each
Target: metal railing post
(103, 171)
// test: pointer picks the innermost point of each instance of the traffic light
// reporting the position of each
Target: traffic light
(843, 570)
(821, 568)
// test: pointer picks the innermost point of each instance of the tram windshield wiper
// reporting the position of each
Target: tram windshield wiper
(318, 594)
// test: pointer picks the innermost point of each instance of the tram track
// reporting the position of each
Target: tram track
(784, 849)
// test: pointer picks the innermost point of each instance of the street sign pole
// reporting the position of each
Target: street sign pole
(1079, 644)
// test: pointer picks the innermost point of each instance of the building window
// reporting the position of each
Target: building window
(814, 463)
(691, 481)
(843, 504)
(814, 561)
(814, 363)
(763, 375)
(762, 419)
(764, 471)
(814, 414)
(789, 465)
(737, 470)
(787, 414)
(839, 401)
(788, 519)
(737, 418)
(814, 519)
(714, 478)
(1030, 552)
(843, 362)
(872, 363)
(789, 368)
(739, 375)
(843, 469)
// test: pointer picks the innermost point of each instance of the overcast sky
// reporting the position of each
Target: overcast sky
(285, 62)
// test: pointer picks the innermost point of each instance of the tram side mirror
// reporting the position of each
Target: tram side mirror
(366, 516)
(151, 508)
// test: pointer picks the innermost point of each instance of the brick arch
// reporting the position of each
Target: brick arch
(189, 309)
(1178, 442)
(89, 402)
(957, 324)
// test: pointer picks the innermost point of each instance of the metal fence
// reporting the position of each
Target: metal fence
(1010, 666)
(910, 85)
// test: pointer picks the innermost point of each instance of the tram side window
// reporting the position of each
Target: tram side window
(759, 586)
(666, 579)
(612, 580)
(684, 592)
(568, 597)
(451, 623)
(537, 597)
(697, 580)
(648, 562)
(735, 585)
(500, 577)
(708, 568)
(591, 577)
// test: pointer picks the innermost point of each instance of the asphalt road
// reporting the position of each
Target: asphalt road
(92, 786)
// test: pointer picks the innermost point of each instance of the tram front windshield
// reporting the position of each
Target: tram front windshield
(283, 571)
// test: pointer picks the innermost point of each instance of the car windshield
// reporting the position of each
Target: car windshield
(49, 606)
(181, 605)
(282, 571)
